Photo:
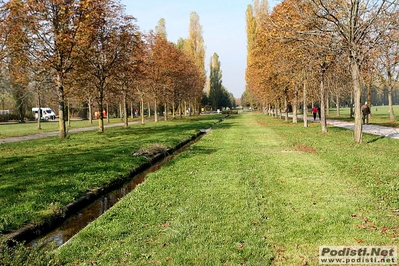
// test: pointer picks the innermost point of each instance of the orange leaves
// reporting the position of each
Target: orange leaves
(166, 224)
(370, 226)
(170, 71)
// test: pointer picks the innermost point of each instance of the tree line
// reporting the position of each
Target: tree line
(93, 52)
(316, 51)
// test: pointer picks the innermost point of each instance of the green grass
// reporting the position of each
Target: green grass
(255, 191)
(40, 177)
(8, 130)
(379, 115)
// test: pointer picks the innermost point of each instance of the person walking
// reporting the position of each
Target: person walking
(366, 112)
(314, 112)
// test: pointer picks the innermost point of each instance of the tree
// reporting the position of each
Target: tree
(54, 30)
(4, 30)
(105, 44)
(195, 42)
(256, 15)
(215, 79)
(358, 25)
(16, 53)
(159, 66)
(388, 62)
(160, 29)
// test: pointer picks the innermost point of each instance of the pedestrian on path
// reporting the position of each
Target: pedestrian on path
(366, 112)
(315, 110)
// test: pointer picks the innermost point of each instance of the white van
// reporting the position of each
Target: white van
(46, 113)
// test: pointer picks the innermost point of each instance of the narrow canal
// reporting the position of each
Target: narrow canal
(82, 218)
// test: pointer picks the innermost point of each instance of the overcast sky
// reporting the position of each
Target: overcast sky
(223, 25)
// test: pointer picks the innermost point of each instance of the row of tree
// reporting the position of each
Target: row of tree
(307, 50)
(92, 51)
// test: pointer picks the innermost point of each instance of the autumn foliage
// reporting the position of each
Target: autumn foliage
(92, 53)
(319, 52)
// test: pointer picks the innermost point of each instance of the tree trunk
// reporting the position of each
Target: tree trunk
(390, 101)
(69, 113)
(338, 106)
(323, 121)
(166, 112)
(369, 96)
(101, 116)
(39, 125)
(149, 110)
(305, 106)
(328, 105)
(90, 114)
(107, 112)
(155, 109)
(285, 107)
(125, 117)
(351, 105)
(61, 107)
(357, 132)
(295, 107)
(142, 109)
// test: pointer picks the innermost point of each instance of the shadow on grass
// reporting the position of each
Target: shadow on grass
(376, 139)
(47, 171)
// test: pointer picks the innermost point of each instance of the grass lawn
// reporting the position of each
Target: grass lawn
(379, 115)
(254, 191)
(40, 177)
(8, 130)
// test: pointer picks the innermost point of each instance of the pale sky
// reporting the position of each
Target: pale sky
(223, 25)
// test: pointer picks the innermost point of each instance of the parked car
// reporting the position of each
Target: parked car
(45, 113)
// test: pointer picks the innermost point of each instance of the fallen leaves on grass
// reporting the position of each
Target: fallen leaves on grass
(304, 261)
(370, 226)
(304, 148)
(166, 224)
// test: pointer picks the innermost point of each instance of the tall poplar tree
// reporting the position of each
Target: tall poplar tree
(215, 80)
(256, 15)
(195, 44)
(251, 39)
(160, 29)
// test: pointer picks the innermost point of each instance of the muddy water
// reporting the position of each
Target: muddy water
(78, 221)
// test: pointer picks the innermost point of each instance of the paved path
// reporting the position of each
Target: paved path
(52, 134)
(388, 132)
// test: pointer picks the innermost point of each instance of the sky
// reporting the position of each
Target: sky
(223, 26)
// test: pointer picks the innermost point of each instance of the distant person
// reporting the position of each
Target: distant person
(315, 110)
(366, 112)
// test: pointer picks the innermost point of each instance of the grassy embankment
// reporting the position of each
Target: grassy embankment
(254, 191)
(40, 177)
